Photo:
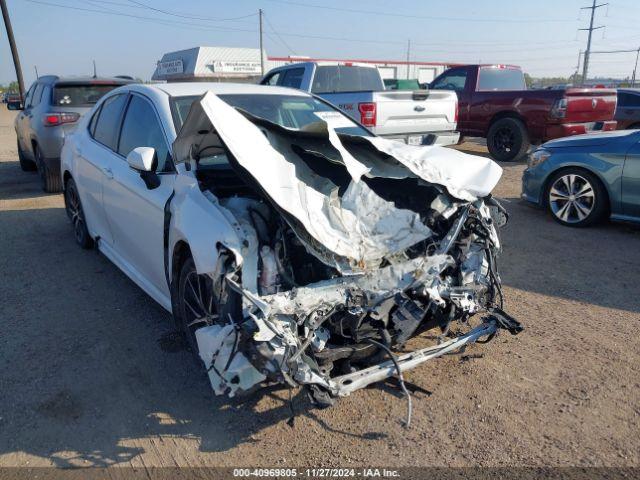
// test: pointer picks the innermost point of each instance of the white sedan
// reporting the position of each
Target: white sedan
(290, 244)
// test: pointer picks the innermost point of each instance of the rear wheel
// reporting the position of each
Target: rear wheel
(76, 215)
(576, 198)
(51, 181)
(25, 164)
(508, 140)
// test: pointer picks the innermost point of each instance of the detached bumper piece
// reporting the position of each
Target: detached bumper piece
(347, 384)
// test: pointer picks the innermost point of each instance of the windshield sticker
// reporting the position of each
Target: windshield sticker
(335, 119)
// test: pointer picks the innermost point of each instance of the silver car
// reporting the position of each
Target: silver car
(51, 110)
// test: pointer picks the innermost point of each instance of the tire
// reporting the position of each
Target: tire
(576, 198)
(73, 206)
(508, 140)
(220, 303)
(25, 164)
(194, 302)
(51, 181)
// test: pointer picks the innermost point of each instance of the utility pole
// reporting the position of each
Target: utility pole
(12, 45)
(575, 75)
(408, 56)
(635, 68)
(587, 53)
(261, 44)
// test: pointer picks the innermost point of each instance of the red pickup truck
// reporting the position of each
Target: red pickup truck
(494, 103)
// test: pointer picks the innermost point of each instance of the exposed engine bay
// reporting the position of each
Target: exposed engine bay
(348, 248)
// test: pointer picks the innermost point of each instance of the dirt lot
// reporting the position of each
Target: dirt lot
(87, 376)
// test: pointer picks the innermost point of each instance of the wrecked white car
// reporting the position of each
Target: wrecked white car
(290, 243)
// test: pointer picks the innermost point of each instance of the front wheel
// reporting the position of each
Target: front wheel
(576, 198)
(75, 213)
(195, 306)
(508, 140)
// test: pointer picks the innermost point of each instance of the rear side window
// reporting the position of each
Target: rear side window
(492, 78)
(141, 128)
(29, 96)
(292, 78)
(343, 78)
(75, 95)
(94, 120)
(37, 95)
(106, 128)
(628, 100)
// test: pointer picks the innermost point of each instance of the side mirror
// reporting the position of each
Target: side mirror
(143, 159)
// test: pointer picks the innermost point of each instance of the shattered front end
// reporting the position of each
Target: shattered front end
(352, 247)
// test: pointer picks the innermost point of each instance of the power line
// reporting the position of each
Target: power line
(139, 17)
(190, 17)
(278, 35)
(424, 17)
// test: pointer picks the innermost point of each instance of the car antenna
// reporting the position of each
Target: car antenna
(95, 74)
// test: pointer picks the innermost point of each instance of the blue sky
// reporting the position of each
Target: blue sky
(541, 35)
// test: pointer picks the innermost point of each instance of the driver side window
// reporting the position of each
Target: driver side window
(141, 128)
(454, 80)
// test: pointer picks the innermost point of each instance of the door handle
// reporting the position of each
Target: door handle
(107, 172)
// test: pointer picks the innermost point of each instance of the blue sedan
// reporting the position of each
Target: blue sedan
(587, 178)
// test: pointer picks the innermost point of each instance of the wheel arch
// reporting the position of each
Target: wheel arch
(506, 114)
(564, 168)
(181, 251)
(66, 176)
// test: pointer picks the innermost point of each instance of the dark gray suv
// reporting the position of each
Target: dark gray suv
(51, 110)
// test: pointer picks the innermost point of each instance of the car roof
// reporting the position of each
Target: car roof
(184, 89)
(51, 79)
(630, 90)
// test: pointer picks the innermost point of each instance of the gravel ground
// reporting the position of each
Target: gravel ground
(89, 375)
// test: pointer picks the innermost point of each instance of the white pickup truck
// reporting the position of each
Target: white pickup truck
(420, 117)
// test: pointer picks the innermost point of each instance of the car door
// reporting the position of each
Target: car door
(631, 182)
(22, 123)
(95, 152)
(134, 211)
(456, 79)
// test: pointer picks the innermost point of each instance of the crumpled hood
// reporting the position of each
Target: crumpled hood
(351, 197)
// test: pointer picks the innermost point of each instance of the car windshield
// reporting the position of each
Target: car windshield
(80, 95)
(289, 111)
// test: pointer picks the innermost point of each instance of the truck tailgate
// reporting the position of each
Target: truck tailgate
(590, 105)
(401, 112)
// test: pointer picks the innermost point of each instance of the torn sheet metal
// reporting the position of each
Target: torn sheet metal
(358, 223)
(467, 177)
(363, 226)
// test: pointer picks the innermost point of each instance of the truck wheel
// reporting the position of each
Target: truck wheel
(508, 140)
(576, 198)
(25, 164)
(51, 181)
